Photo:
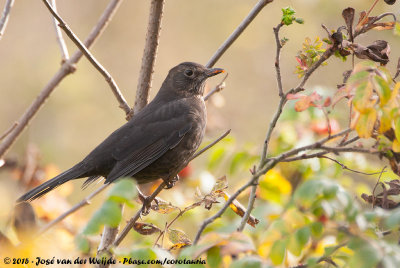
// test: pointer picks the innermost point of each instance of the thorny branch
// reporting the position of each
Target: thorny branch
(113, 85)
(67, 68)
(5, 16)
(217, 88)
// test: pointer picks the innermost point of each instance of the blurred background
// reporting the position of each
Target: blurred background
(82, 111)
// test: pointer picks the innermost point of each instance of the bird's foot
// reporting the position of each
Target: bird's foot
(171, 182)
(149, 205)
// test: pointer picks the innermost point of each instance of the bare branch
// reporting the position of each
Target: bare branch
(277, 58)
(84, 202)
(210, 145)
(5, 16)
(237, 32)
(113, 85)
(217, 88)
(149, 55)
(347, 168)
(67, 68)
(8, 131)
(60, 39)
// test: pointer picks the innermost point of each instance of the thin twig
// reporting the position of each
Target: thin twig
(376, 184)
(5, 16)
(236, 33)
(277, 58)
(84, 202)
(217, 88)
(210, 145)
(67, 68)
(350, 169)
(107, 76)
(60, 39)
(149, 55)
(8, 131)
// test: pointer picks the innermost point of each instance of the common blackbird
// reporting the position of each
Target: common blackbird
(156, 143)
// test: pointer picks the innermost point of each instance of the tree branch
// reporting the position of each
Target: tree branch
(149, 55)
(60, 39)
(67, 68)
(217, 88)
(237, 32)
(5, 16)
(277, 58)
(113, 85)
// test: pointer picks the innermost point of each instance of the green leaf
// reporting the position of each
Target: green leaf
(393, 221)
(123, 191)
(214, 257)
(109, 214)
(298, 240)
(365, 255)
(278, 250)
(82, 243)
(238, 159)
(247, 261)
(216, 157)
(142, 254)
(358, 77)
(316, 229)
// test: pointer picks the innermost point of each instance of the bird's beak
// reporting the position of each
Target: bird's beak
(214, 71)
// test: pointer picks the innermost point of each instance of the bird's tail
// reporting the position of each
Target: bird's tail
(73, 173)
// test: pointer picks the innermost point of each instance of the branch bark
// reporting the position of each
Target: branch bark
(67, 68)
(5, 16)
(60, 39)
(149, 55)
(237, 32)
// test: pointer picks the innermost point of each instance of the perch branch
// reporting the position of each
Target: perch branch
(149, 55)
(5, 16)
(60, 39)
(67, 68)
(236, 33)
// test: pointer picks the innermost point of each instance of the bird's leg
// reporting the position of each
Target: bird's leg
(146, 203)
(170, 182)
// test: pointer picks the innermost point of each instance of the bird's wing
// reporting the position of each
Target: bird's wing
(137, 160)
(147, 138)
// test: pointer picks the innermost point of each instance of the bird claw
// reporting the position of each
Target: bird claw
(171, 182)
(147, 205)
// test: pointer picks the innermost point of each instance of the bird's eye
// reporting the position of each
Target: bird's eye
(189, 73)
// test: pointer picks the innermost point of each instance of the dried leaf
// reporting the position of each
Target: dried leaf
(348, 15)
(163, 207)
(146, 228)
(220, 184)
(178, 238)
(240, 210)
(24, 220)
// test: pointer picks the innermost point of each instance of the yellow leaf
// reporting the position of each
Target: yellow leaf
(365, 124)
(386, 122)
(396, 146)
(273, 185)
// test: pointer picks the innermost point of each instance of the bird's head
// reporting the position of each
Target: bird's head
(188, 78)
